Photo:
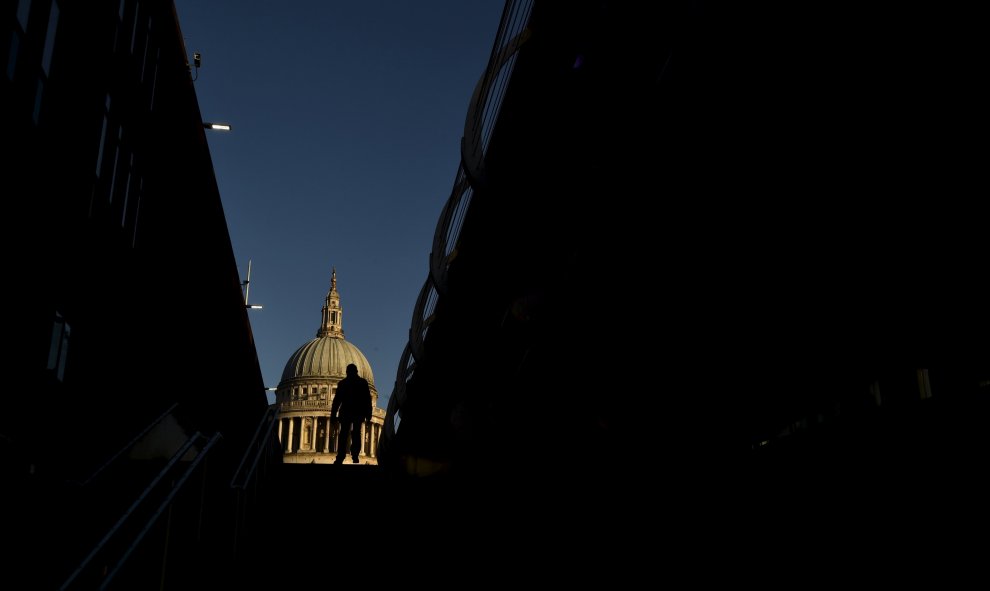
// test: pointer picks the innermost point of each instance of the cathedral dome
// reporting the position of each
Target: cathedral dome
(326, 357)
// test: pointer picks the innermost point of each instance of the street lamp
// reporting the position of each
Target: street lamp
(217, 126)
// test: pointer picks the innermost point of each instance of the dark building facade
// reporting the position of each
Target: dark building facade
(131, 358)
(717, 258)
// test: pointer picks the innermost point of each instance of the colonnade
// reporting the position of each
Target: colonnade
(310, 435)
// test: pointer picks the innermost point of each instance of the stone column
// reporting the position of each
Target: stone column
(288, 444)
(367, 435)
(326, 437)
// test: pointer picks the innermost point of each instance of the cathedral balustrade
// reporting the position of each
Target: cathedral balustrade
(304, 404)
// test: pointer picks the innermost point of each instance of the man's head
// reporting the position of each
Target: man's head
(351, 369)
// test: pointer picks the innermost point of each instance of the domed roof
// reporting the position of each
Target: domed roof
(326, 357)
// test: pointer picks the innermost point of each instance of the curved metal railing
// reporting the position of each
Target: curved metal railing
(483, 110)
(486, 102)
(425, 307)
(448, 230)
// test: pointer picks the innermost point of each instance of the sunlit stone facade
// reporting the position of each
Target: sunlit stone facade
(308, 385)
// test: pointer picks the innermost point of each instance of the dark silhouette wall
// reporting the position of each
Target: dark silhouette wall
(123, 295)
(701, 233)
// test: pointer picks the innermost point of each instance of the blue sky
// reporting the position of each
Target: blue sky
(347, 119)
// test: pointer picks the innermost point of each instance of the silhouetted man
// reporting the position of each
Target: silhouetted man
(353, 400)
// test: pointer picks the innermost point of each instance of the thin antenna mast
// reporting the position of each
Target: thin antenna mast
(247, 290)
(247, 283)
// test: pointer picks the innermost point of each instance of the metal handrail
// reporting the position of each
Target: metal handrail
(130, 510)
(161, 509)
(270, 413)
(127, 446)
